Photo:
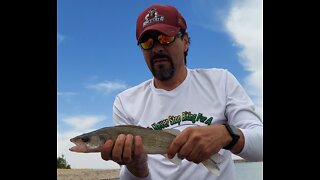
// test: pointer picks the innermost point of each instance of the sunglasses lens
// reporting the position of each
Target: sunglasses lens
(147, 44)
(163, 39)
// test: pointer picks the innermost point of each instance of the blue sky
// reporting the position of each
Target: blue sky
(98, 57)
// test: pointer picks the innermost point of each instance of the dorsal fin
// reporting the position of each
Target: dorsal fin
(131, 126)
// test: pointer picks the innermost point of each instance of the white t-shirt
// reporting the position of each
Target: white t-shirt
(206, 96)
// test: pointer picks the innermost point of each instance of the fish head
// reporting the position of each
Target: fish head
(87, 143)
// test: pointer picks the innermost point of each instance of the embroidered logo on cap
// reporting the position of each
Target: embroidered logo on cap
(152, 17)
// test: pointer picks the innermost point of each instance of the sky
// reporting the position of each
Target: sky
(98, 58)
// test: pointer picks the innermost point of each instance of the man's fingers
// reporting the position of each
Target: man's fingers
(127, 150)
(185, 150)
(195, 156)
(176, 144)
(118, 148)
(107, 150)
(138, 149)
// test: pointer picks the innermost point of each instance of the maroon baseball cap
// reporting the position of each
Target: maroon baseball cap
(163, 18)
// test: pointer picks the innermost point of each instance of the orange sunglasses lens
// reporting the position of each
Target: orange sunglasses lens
(148, 44)
(162, 39)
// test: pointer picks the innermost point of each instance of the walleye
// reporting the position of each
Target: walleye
(154, 142)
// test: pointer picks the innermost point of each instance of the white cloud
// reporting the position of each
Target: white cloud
(244, 24)
(83, 122)
(108, 86)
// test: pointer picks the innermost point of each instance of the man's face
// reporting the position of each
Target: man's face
(164, 60)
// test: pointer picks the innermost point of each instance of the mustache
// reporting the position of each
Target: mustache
(155, 56)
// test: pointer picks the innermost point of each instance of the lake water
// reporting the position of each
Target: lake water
(249, 170)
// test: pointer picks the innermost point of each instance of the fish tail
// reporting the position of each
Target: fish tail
(217, 158)
(212, 163)
(211, 166)
(174, 160)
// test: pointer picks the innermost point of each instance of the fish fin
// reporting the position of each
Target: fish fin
(211, 166)
(175, 160)
(217, 158)
(211, 163)
(172, 131)
(130, 126)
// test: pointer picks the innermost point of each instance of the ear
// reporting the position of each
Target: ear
(186, 41)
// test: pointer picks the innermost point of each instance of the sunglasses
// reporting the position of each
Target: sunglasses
(148, 41)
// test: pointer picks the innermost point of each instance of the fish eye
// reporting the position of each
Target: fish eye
(85, 139)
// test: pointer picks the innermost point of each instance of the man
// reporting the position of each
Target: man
(208, 106)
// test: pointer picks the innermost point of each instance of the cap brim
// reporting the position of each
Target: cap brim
(163, 28)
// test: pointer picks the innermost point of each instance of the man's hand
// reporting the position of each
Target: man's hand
(122, 152)
(198, 143)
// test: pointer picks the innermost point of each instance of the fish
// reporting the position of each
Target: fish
(154, 142)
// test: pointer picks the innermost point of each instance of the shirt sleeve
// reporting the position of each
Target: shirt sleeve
(240, 112)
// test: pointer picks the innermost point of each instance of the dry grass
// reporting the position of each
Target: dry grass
(87, 174)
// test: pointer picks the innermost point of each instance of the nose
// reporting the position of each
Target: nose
(157, 47)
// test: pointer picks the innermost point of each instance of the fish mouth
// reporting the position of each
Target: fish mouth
(76, 149)
(82, 147)
(79, 146)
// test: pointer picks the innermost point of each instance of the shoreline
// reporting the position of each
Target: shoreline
(99, 174)
(78, 174)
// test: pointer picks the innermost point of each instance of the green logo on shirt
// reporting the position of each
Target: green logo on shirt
(176, 120)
